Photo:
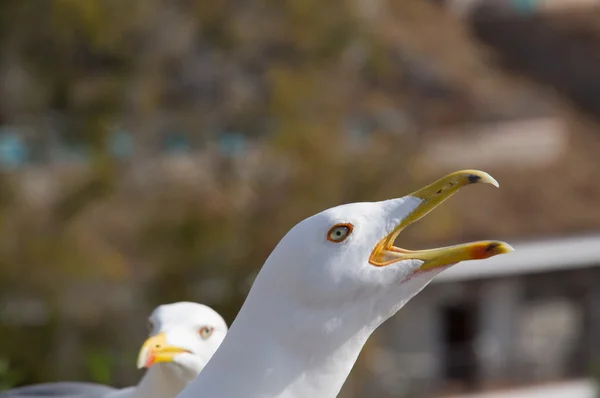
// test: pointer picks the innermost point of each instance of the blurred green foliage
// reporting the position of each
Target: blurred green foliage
(99, 365)
(9, 377)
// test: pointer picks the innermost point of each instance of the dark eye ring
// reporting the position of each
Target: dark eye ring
(339, 232)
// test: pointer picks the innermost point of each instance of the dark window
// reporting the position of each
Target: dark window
(459, 331)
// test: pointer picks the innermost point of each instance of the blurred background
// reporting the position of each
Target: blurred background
(156, 151)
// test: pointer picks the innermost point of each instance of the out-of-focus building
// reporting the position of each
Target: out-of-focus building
(528, 318)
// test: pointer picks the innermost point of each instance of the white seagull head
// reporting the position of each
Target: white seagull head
(346, 254)
(183, 336)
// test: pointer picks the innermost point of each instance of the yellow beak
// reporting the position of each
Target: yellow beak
(156, 350)
(385, 253)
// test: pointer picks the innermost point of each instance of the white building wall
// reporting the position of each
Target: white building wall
(498, 311)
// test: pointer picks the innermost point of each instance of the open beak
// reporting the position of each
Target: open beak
(156, 350)
(385, 253)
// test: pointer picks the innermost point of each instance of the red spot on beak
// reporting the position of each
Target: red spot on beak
(488, 250)
(150, 361)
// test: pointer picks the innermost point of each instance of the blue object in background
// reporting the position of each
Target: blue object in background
(176, 144)
(121, 144)
(13, 150)
(359, 130)
(232, 144)
(525, 7)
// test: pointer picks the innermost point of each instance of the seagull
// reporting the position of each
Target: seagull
(328, 284)
(183, 337)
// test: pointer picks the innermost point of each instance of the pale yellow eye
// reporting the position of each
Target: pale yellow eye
(205, 332)
(338, 233)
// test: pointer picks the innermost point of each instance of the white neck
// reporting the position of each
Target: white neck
(160, 381)
(276, 350)
(278, 354)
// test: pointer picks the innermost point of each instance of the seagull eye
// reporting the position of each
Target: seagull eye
(338, 233)
(150, 326)
(205, 332)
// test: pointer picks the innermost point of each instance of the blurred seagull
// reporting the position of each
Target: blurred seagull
(183, 337)
(329, 283)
